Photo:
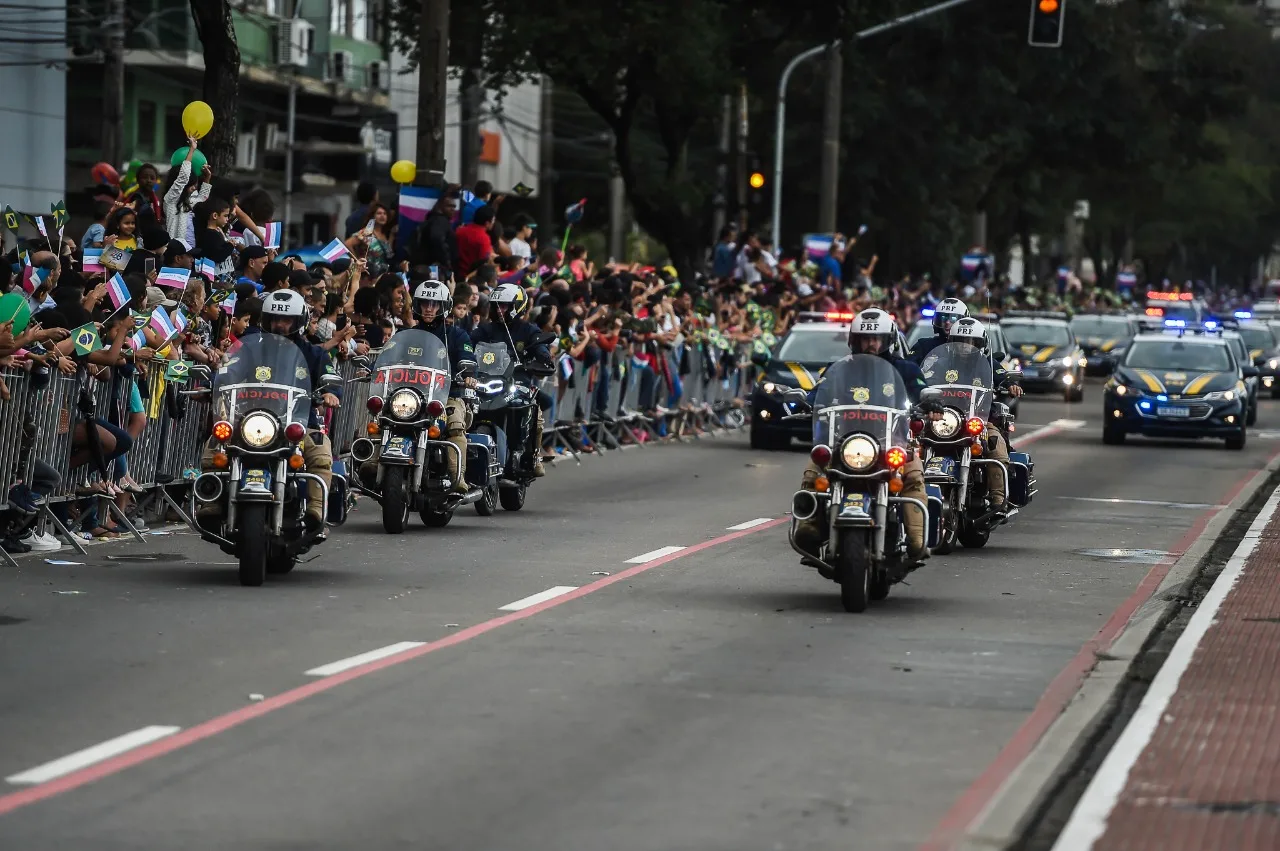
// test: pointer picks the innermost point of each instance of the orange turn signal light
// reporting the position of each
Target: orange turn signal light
(434, 432)
(822, 484)
(895, 484)
(220, 460)
(1048, 6)
(295, 462)
(975, 448)
(373, 429)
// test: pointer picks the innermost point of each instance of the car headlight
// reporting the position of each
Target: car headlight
(1273, 363)
(1220, 395)
(1084, 361)
(859, 453)
(1068, 361)
(768, 387)
(948, 425)
(405, 404)
(259, 429)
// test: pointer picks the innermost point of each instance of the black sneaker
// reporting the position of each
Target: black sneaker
(12, 546)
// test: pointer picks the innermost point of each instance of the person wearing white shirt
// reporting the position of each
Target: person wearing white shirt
(520, 247)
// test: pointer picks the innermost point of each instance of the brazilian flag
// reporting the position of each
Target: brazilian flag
(177, 371)
(86, 339)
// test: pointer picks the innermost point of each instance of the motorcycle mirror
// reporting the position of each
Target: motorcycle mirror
(467, 367)
(760, 359)
(329, 379)
(930, 393)
(999, 356)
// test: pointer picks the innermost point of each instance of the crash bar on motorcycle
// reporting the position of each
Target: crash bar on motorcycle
(911, 499)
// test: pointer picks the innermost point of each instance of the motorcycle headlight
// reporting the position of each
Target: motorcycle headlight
(259, 429)
(859, 453)
(1273, 363)
(404, 404)
(948, 425)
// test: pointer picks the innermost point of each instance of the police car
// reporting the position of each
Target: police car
(1046, 350)
(1264, 349)
(1240, 349)
(797, 361)
(1103, 337)
(1177, 385)
(1184, 307)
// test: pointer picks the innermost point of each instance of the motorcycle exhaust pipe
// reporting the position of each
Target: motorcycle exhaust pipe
(804, 505)
(474, 495)
(208, 487)
(362, 449)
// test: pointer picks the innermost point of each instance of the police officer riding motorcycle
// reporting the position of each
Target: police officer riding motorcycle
(416, 463)
(266, 442)
(948, 312)
(968, 445)
(860, 515)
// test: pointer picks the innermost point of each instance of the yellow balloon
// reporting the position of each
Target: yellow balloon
(197, 119)
(404, 171)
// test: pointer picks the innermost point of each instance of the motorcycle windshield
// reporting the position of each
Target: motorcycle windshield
(964, 377)
(861, 393)
(492, 360)
(416, 359)
(266, 372)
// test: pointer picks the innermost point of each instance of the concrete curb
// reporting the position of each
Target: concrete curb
(1008, 814)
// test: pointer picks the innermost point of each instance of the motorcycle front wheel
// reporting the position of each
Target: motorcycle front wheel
(254, 541)
(512, 498)
(488, 503)
(853, 571)
(395, 503)
(435, 519)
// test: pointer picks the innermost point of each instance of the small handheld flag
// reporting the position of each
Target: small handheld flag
(86, 339)
(205, 266)
(177, 371)
(817, 245)
(334, 250)
(91, 261)
(137, 340)
(33, 277)
(173, 278)
(162, 324)
(522, 190)
(417, 201)
(10, 219)
(118, 291)
(573, 213)
(271, 233)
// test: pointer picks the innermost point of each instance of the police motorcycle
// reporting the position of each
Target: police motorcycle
(862, 439)
(961, 379)
(262, 400)
(507, 415)
(410, 382)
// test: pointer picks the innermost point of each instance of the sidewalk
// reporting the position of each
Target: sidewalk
(1198, 766)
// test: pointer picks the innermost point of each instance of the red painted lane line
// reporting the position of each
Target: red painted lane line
(222, 723)
(974, 800)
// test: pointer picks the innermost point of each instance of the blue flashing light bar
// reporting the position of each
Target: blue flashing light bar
(1175, 323)
(1243, 314)
(927, 312)
(1210, 324)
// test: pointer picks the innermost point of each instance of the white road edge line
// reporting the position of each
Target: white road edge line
(1159, 504)
(750, 524)
(355, 661)
(540, 597)
(1032, 435)
(658, 553)
(1069, 423)
(89, 756)
(1089, 819)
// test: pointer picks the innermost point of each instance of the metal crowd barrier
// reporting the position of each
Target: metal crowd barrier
(165, 457)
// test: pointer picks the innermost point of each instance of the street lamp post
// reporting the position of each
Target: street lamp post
(782, 97)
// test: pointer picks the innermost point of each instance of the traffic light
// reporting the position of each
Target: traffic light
(1046, 23)
(757, 180)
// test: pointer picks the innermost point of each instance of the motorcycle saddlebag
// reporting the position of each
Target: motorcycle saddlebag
(933, 495)
(338, 494)
(1019, 478)
(480, 450)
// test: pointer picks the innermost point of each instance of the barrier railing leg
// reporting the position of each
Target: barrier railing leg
(74, 540)
(169, 500)
(8, 558)
(115, 512)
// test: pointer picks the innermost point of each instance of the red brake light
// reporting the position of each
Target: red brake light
(917, 426)
(975, 425)
(222, 431)
(1155, 311)
(374, 404)
(839, 317)
(295, 432)
(820, 455)
(435, 408)
(895, 457)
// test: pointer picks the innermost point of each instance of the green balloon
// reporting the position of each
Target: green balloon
(198, 161)
(14, 307)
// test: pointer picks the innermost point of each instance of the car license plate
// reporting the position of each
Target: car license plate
(399, 447)
(1173, 411)
(940, 466)
(856, 505)
(255, 479)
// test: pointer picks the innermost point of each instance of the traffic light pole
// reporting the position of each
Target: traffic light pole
(781, 113)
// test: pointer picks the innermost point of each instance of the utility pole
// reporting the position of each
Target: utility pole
(743, 128)
(546, 168)
(113, 84)
(290, 123)
(617, 216)
(828, 188)
(469, 133)
(433, 76)
(720, 214)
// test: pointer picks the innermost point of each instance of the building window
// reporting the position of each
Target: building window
(174, 136)
(362, 20)
(339, 16)
(147, 126)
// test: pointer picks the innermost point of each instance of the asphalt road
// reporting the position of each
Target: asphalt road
(714, 698)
